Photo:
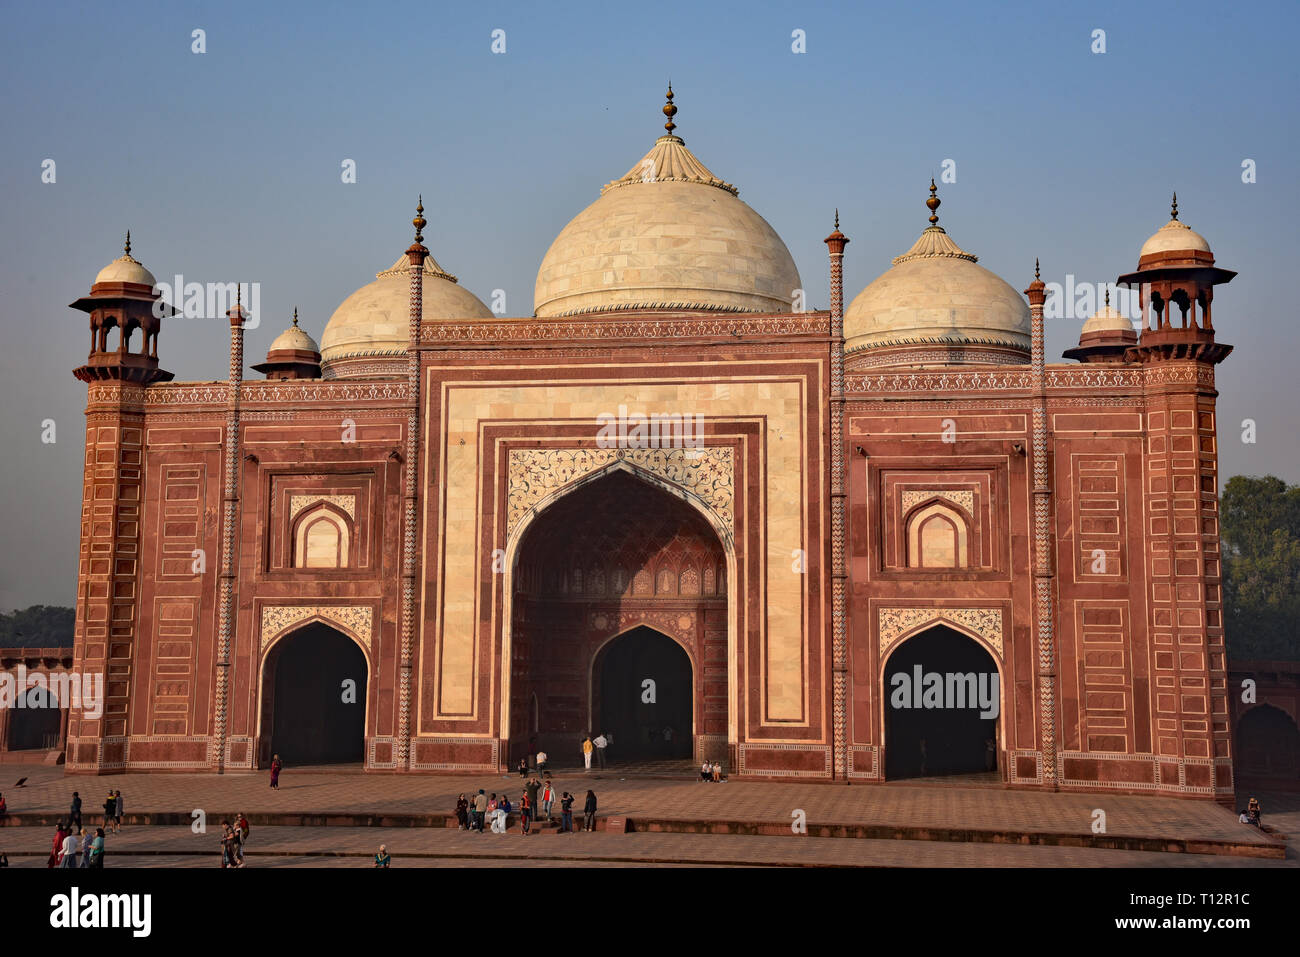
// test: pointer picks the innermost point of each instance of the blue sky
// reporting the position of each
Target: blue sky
(227, 165)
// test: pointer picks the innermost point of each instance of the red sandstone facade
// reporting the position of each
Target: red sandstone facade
(531, 546)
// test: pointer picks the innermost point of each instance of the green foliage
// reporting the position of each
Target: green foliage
(40, 626)
(1260, 526)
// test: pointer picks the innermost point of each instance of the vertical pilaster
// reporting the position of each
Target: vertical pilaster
(229, 533)
(1042, 555)
(836, 242)
(416, 254)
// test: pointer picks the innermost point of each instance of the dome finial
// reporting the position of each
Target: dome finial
(419, 222)
(1173, 209)
(1035, 267)
(933, 203)
(127, 248)
(295, 317)
(837, 217)
(1108, 297)
(670, 111)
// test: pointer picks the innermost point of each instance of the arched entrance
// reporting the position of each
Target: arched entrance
(36, 725)
(1268, 745)
(642, 694)
(942, 696)
(614, 554)
(314, 698)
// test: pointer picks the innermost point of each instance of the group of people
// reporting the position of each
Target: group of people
(112, 810)
(536, 802)
(711, 771)
(233, 837)
(1252, 814)
(76, 847)
(596, 746)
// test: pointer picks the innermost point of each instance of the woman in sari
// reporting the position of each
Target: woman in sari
(275, 772)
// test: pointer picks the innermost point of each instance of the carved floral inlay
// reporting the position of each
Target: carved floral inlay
(346, 503)
(896, 622)
(356, 619)
(964, 498)
(708, 473)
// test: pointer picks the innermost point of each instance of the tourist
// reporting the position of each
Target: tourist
(117, 811)
(601, 742)
(525, 812)
(275, 772)
(60, 832)
(716, 771)
(241, 825)
(110, 807)
(70, 845)
(480, 810)
(225, 845)
(74, 817)
(548, 799)
(523, 767)
(462, 813)
(566, 813)
(237, 846)
(587, 748)
(589, 812)
(541, 761)
(531, 789)
(87, 839)
(97, 849)
(706, 771)
(1244, 818)
(383, 858)
(1256, 812)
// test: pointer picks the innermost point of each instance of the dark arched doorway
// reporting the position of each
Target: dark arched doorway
(615, 553)
(642, 694)
(37, 724)
(942, 697)
(1268, 745)
(314, 708)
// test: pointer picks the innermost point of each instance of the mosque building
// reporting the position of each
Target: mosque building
(674, 504)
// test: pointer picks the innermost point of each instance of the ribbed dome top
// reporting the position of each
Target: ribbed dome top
(669, 235)
(936, 294)
(375, 320)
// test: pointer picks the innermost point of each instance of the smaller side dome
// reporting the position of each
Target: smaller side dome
(126, 269)
(1106, 336)
(1174, 237)
(293, 355)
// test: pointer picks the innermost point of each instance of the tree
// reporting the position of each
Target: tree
(40, 626)
(1260, 527)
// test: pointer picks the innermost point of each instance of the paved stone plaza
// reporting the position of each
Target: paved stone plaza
(274, 843)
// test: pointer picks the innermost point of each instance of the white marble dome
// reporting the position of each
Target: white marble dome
(1107, 319)
(126, 269)
(375, 320)
(936, 295)
(1174, 236)
(294, 338)
(667, 235)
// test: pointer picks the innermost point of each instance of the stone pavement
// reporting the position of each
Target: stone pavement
(149, 846)
(896, 805)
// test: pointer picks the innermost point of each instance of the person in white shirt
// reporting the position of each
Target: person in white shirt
(601, 743)
(69, 858)
(541, 761)
(706, 771)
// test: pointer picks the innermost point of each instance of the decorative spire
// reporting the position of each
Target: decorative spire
(419, 222)
(933, 203)
(837, 218)
(239, 291)
(1035, 267)
(127, 248)
(670, 111)
(1108, 297)
(295, 317)
(1173, 209)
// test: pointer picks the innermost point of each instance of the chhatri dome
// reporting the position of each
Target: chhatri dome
(667, 235)
(936, 299)
(1174, 236)
(126, 269)
(375, 320)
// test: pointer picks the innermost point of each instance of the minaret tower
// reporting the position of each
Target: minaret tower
(1186, 656)
(122, 297)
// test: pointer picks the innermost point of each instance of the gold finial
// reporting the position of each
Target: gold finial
(295, 317)
(127, 247)
(933, 203)
(1173, 209)
(670, 111)
(419, 222)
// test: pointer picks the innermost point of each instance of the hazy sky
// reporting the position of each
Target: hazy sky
(226, 165)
